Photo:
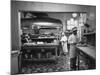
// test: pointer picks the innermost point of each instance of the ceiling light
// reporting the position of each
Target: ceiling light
(74, 15)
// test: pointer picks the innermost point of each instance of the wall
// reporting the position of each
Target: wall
(17, 6)
(63, 17)
(14, 64)
(92, 17)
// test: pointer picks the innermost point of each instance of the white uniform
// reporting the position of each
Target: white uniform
(64, 43)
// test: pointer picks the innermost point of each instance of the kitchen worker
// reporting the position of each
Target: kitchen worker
(72, 40)
(25, 38)
(64, 43)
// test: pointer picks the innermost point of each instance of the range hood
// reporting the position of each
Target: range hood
(42, 19)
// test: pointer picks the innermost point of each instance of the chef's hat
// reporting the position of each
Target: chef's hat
(63, 33)
(74, 29)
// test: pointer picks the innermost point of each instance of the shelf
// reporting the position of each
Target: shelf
(44, 38)
(42, 59)
(40, 46)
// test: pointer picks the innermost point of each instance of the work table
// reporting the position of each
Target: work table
(89, 53)
(89, 50)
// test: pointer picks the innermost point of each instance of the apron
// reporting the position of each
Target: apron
(64, 46)
(72, 51)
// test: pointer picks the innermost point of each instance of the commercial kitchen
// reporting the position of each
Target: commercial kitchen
(36, 32)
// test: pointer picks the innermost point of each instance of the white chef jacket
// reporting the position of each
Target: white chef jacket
(72, 39)
(64, 43)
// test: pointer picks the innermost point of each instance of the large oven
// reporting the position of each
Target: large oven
(40, 38)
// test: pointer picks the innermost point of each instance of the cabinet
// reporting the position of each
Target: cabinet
(88, 56)
(91, 38)
(14, 63)
(39, 52)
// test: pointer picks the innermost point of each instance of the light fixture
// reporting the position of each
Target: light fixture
(74, 15)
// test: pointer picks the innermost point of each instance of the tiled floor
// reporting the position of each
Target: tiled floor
(62, 64)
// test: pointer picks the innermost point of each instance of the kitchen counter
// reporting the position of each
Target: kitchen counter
(89, 53)
(89, 50)
(47, 44)
(42, 48)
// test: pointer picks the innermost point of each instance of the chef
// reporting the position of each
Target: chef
(64, 43)
(72, 40)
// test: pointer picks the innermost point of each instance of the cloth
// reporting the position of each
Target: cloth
(64, 43)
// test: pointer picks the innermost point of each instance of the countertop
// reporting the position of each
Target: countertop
(90, 50)
(39, 45)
